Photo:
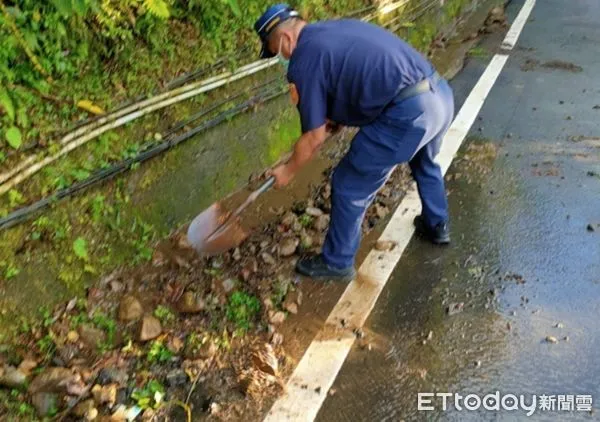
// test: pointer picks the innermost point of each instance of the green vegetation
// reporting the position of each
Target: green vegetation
(150, 396)
(164, 314)
(242, 309)
(158, 352)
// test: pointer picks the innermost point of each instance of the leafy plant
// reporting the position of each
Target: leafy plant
(80, 248)
(305, 220)
(241, 309)
(158, 353)
(164, 314)
(150, 396)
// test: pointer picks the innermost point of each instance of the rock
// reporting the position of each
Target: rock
(305, 240)
(150, 328)
(291, 307)
(176, 378)
(130, 309)
(27, 365)
(175, 345)
(289, 219)
(314, 212)
(265, 360)
(67, 353)
(559, 325)
(91, 415)
(277, 339)
(45, 403)
(228, 284)
(112, 376)
(83, 408)
(294, 296)
(288, 246)
(92, 337)
(72, 337)
(264, 244)
(237, 254)
(268, 258)
(326, 191)
(322, 222)
(551, 339)
(190, 303)
(105, 394)
(455, 308)
(385, 245)
(277, 318)
(12, 378)
(54, 380)
(381, 210)
(591, 228)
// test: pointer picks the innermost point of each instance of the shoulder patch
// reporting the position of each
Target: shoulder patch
(294, 94)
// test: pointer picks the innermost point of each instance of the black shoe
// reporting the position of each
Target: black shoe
(440, 234)
(316, 268)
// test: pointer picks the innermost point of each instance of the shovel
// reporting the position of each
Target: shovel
(214, 231)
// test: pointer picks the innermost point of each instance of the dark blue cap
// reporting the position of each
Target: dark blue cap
(269, 21)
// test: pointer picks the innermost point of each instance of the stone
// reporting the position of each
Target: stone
(228, 285)
(91, 414)
(27, 365)
(268, 258)
(106, 394)
(237, 254)
(72, 337)
(176, 378)
(289, 219)
(45, 403)
(291, 307)
(551, 339)
(385, 245)
(90, 336)
(150, 328)
(455, 308)
(130, 309)
(305, 240)
(277, 339)
(264, 359)
(83, 408)
(591, 228)
(288, 246)
(53, 380)
(313, 212)
(277, 318)
(12, 377)
(321, 223)
(112, 376)
(190, 303)
(381, 210)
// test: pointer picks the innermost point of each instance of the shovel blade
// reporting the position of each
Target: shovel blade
(206, 223)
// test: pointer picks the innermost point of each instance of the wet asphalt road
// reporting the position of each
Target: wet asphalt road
(522, 262)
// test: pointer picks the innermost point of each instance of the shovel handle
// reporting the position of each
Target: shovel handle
(266, 186)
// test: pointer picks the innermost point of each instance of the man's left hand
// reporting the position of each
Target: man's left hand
(283, 175)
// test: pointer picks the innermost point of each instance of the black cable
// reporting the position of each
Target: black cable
(24, 213)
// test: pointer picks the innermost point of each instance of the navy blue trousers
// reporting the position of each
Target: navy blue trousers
(409, 130)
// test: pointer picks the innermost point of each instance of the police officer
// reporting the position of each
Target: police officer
(348, 72)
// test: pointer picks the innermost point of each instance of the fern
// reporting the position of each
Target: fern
(157, 8)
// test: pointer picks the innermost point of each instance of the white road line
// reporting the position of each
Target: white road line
(515, 29)
(308, 386)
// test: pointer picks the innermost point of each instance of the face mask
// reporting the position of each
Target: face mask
(282, 60)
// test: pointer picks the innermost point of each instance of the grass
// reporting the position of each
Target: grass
(479, 52)
(242, 309)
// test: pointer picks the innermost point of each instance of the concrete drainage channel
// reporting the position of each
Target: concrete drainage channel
(309, 385)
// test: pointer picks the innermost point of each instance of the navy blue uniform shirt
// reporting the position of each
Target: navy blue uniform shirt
(348, 71)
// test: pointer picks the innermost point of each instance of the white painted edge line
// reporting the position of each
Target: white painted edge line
(308, 387)
(517, 26)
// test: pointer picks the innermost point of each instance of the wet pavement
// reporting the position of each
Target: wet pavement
(513, 305)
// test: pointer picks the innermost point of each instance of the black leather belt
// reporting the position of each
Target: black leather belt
(418, 88)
